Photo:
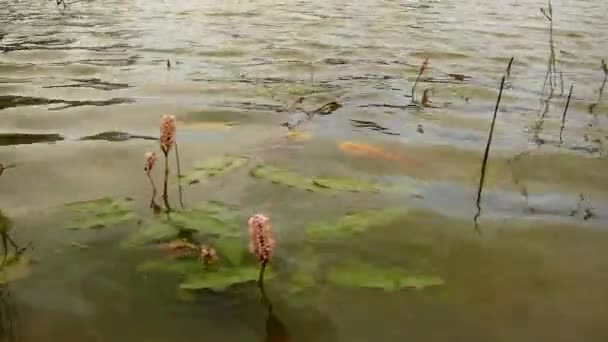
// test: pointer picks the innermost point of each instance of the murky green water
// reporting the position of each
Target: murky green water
(371, 206)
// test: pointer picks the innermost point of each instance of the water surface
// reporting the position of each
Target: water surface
(82, 88)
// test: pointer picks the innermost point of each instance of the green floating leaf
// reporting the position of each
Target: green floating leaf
(152, 232)
(353, 223)
(284, 177)
(387, 278)
(230, 250)
(214, 167)
(213, 218)
(222, 278)
(99, 213)
(15, 267)
(292, 179)
(343, 184)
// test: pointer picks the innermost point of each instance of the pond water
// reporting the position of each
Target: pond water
(372, 205)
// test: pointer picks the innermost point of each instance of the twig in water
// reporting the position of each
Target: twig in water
(486, 155)
(420, 73)
(561, 130)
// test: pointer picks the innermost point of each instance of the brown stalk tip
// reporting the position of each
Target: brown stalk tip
(150, 161)
(261, 243)
(423, 67)
(208, 255)
(167, 133)
(605, 67)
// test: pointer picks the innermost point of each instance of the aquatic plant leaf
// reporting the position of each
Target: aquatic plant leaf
(99, 213)
(213, 167)
(353, 223)
(221, 278)
(292, 179)
(170, 265)
(365, 275)
(211, 218)
(150, 232)
(344, 184)
(16, 267)
(230, 250)
(284, 177)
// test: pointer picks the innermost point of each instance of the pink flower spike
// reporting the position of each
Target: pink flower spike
(167, 132)
(261, 242)
(150, 160)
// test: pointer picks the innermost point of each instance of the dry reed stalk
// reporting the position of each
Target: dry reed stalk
(421, 71)
(487, 154)
(561, 130)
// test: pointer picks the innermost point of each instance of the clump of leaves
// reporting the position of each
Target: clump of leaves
(353, 223)
(219, 279)
(100, 213)
(214, 167)
(231, 268)
(292, 179)
(211, 218)
(365, 275)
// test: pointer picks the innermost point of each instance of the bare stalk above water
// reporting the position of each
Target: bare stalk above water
(423, 67)
(561, 130)
(508, 70)
(487, 154)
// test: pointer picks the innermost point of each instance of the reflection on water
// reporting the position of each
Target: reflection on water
(82, 87)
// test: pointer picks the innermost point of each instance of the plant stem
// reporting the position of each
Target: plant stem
(165, 195)
(261, 282)
(508, 70)
(561, 130)
(179, 177)
(487, 154)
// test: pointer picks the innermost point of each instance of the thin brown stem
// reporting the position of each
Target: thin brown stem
(179, 176)
(486, 155)
(166, 181)
(561, 130)
(423, 67)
